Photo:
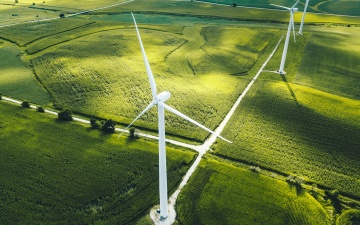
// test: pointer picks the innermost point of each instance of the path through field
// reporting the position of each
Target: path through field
(71, 15)
(201, 149)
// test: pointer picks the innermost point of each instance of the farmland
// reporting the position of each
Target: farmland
(298, 131)
(305, 123)
(17, 80)
(90, 178)
(86, 75)
(220, 193)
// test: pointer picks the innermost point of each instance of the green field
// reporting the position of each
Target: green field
(305, 123)
(219, 193)
(330, 62)
(63, 173)
(102, 65)
(299, 131)
(17, 80)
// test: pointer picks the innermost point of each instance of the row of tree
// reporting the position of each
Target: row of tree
(107, 126)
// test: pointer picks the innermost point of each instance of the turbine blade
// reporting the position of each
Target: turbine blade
(190, 120)
(146, 62)
(295, 4)
(142, 113)
(292, 23)
(280, 6)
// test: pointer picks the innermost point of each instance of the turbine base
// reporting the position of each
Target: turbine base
(280, 72)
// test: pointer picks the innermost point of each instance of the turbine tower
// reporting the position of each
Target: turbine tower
(159, 100)
(303, 18)
(291, 25)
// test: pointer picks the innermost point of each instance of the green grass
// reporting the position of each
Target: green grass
(298, 130)
(330, 62)
(219, 193)
(349, 217)
(343, 7)
(63, 173)
(17, 80)
(103, 74)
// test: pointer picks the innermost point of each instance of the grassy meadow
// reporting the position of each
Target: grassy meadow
(17, 80)
(96, 68)
(305, 123)
(219, 193)
(299, 131)
(331, 62)
(64, 173)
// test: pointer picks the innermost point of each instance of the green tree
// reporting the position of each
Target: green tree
(65, 115)
(108, 126)
(25, 104)
(133, 132)
(40, 109)
(94, 124)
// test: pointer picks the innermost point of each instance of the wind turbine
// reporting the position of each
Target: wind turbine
(303, 18)
(159, 100)
(291, 25)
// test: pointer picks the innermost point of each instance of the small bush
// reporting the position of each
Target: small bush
(108, 126)
(40, 109)
(65, 115)
(255, 169)
(0, 96)
(133, 132)
(333, 194)
(94, 124)
(25, 104)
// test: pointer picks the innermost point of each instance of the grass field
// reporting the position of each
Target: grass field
(219, 193)
(330, 62)
(17, 80)
(64, 173)
(299, 131)
(99, 72)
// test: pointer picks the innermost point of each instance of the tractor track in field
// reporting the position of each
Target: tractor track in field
(201, 149)
(71, 15)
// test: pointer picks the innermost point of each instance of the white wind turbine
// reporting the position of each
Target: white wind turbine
(291, 25)
(159, 100)
(303, 18)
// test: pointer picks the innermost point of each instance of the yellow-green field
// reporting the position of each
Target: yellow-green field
(305, 123)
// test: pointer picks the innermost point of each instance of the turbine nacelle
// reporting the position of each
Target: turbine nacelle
(162, 97)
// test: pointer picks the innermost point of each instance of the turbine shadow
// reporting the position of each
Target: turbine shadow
(289, 87)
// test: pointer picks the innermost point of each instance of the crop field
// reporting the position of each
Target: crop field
(98, 73)
(305, 123)
(331, 62)
(219, 193)
(64, 173)
(299, 131)
(17, 80)
(200, 9)
(342, 7)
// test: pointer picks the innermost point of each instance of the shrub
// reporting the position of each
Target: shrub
(255, 169)
(25, 104)
(94, 124)
(40, 109)
(65, 115)
(108, 126)
(133, 132)
(0, 96)
(62, 15)
(234, 5)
